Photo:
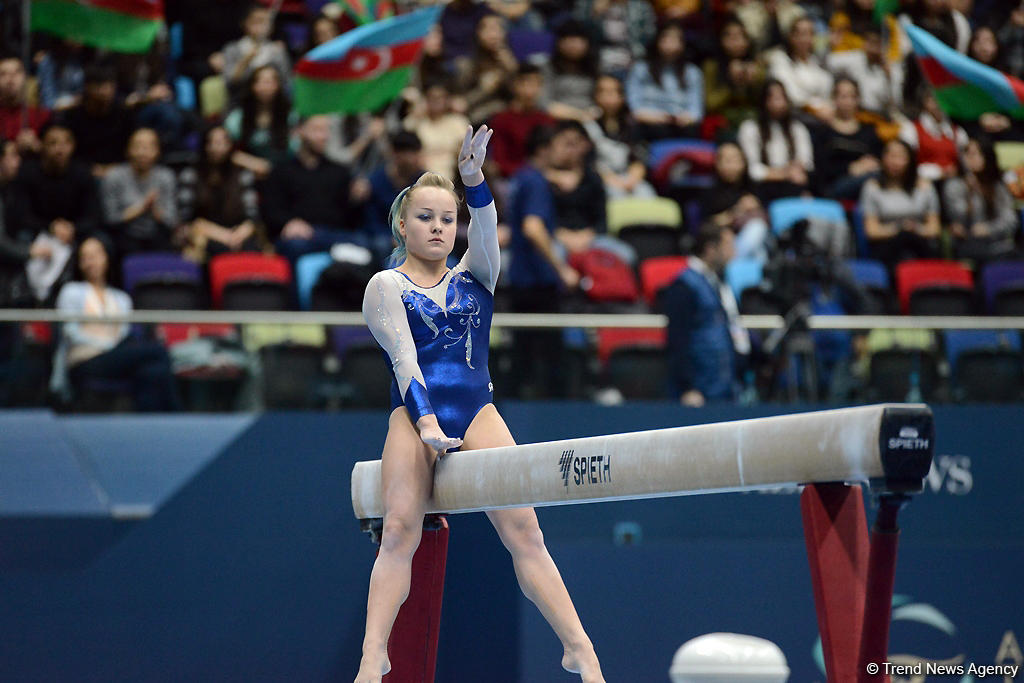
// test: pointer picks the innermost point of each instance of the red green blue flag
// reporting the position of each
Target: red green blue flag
(965, 88)
(117, 25)
(366, 11)
(363, 69)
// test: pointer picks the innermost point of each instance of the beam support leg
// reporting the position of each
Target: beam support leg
(835, 533)
(412, 647)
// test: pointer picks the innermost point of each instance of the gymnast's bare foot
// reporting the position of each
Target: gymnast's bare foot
(583, 661)
(373, 666)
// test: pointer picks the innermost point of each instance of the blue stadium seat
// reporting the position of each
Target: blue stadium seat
(307, 272)
(783, 213)
(741, 274)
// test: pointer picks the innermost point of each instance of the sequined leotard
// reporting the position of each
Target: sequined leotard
(435, 338)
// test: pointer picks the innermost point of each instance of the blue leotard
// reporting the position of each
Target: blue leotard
(436, 338)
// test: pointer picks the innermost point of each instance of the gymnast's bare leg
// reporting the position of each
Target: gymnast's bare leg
(407, 477)
(538, 576)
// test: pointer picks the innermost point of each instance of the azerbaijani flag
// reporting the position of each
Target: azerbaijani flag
(365, 11)
(363, 69)
(965, 88)
(117, 25)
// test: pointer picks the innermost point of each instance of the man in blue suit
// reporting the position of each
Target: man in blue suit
(706, 342)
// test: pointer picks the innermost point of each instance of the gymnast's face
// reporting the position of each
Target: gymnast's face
(428, 223)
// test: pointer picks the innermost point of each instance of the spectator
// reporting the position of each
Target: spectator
(16, 246)
(732, 202)
(940, 19)
(150, 96)
(985, 48)
(764, 21)
(100, 123)
(538, 271)
(439, 128)
(665, 92)
(306, 202)
(1011, 39)
(458, 20)
(55, 193)
(846, 150)
(850, 23)
(60, 75)
(707, 345)
(901, 208)
(217, 201)
(936, 139)
(614, 138)
(260, 126)
(879, 81)
(569, 78)
(255, 50)
(808, 85)
(518, 14)
(483, 78)
(139, 197)
(19, 120)
(733, 77)
(777, 147)
(579, 196)
(322, 29)
(403, 167)
(433, 67)
(206, 28)
(513, 126)
(981, 210)
(105, 351)
(621, 29)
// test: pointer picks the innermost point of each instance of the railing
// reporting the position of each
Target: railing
(526, 320)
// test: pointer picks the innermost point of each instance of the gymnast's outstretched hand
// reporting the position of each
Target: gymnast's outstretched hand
(472, 155)
(431, 434)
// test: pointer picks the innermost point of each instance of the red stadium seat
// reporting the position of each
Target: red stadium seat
(611, 338)
(916, 275)
(657, 272)
(246, 268)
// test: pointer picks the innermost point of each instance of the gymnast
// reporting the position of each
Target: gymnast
(434, 322)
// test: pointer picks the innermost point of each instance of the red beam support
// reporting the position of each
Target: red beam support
(835, 532)
(412, 647)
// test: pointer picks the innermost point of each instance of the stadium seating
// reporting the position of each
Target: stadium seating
(246, 281)
(1002, 283)
(658, 271)
(934, 287)
(162, 281)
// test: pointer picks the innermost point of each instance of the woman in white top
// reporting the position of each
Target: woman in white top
(104, 351)
(433, 324)
(807, 83)
(777, 147)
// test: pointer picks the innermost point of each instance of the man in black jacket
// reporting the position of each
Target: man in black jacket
(306, 203)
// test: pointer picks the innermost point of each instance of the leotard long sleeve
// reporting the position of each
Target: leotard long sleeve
(436, 338)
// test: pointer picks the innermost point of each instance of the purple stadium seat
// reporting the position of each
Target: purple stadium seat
(157, 266)
(999, 276)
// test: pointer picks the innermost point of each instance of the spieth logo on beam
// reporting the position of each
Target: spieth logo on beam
(584, 469)
(909, 439)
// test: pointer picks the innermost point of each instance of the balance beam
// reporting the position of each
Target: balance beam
(888, 446)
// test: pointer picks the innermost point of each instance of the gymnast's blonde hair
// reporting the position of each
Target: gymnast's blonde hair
(401, 203)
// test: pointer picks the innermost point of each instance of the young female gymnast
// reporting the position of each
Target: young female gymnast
(434, 323)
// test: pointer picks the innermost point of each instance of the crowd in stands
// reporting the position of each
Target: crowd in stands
(724, 109)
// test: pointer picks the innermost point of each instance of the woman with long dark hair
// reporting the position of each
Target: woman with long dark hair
(569, 78)
(483, 78)
(262, 123)
(980, 208)
(901, 209)
(733, 76)
(433, 323)
(665, 91)
(613, 132)
(777, 146)
(808, 84)
(105, 350)
(846, 150)
(217, 200)
(731, 202)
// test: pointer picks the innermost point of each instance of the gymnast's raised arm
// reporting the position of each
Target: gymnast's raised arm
(482, 255)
